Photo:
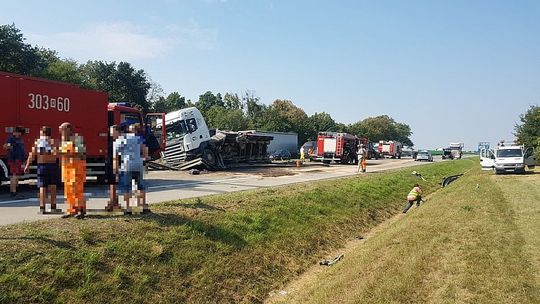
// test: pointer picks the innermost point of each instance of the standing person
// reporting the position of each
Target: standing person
(73, 152)
(302, 155)
(414, 195)
(112, 174)
(45, 151)
(16, 156)
(129, 154)
(362, 156)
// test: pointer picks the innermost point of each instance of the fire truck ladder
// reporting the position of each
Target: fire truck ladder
(339, 146)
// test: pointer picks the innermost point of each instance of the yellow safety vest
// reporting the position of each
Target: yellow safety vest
(414, 192)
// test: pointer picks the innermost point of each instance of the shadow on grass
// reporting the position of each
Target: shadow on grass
(201, 205)
(212, 232)
(60, 244)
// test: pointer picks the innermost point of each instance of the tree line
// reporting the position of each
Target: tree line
(229, 111)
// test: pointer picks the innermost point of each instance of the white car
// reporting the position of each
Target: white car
(424, 155)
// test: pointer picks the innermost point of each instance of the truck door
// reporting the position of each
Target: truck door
(155, 125)
(487, 159)
(530, 159)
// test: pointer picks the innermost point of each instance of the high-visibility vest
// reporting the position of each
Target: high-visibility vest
(414, 192)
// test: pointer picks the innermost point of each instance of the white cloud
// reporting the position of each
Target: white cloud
(124, 41)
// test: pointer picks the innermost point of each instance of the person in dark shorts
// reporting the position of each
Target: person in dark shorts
(112, 176)
(16, 155)
(45, 152)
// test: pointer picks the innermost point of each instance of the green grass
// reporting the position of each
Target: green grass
(475, 241)
(234, 247)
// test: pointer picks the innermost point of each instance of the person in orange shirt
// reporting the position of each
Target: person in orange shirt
(73, 158)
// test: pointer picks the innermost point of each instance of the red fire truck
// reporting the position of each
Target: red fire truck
(337, 147)
(390, 148)
(32, 102)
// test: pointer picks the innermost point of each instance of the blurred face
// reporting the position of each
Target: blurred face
(65, 131)
(17, 134)
(114, 133)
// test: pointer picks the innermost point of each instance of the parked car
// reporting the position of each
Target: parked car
(424, 155)
(280, 155)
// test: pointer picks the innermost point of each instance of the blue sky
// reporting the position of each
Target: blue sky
(452, 70)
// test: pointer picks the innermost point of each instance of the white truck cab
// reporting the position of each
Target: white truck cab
(507, 158)
(186, 132)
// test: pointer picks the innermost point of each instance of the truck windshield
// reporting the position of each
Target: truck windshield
(509, 153)
(176, 130)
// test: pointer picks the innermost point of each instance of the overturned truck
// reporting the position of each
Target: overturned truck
(190, 144)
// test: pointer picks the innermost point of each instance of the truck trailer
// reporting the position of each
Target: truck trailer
(190, 144)
(287, 141)
(31, 103)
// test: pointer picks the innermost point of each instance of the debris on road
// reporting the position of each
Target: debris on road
(419, 175)
(332, 262)
(447, 180)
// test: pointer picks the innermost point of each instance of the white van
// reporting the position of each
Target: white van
(510, 158)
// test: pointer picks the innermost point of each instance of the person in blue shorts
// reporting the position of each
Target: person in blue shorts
(45, 152)
(129, 155)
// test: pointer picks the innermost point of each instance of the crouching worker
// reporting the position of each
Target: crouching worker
(414, 195)
(45, 151)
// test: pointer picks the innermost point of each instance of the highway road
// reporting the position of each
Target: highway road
(171, 185)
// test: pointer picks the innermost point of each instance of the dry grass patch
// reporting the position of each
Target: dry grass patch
(468, 244)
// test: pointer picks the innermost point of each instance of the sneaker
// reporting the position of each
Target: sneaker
(146, 211)
(128, 212)
(67, 215)
(13, 194)
(79, 216)
(41, 211)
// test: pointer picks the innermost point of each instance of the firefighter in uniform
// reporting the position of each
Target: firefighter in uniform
(362, 156)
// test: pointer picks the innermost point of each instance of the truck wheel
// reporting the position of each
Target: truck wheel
(209, 157)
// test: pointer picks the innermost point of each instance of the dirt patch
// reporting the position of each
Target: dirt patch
(276, 173)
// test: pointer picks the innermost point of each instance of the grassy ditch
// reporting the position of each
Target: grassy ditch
(226, 248)
(475, 241)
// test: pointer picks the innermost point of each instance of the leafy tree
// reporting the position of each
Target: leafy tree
(253, 108)
(232, 101)
(174, 101)
(272, 120)
(121, 81)
(293, 116)
(319, 122)
(18, 56)
(66, 70)
(226, 119)
(528, 131)
(208, 100)
(382, 127)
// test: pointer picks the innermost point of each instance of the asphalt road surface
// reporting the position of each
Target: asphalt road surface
(171, 185)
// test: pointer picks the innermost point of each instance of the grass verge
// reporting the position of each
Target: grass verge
(475, 241)
(227, 248)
